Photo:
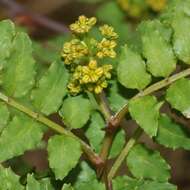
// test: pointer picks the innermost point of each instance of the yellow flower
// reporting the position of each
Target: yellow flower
(75, 49)
(108, 32)
(157, 5)
(83, 24)
(124, 4)
(74, 88)
(106, 48)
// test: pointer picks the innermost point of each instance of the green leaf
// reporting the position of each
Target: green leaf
(4, 115)
(87, 178)
(118, 144)
(172, 135)
(75, 111)
(161, 61)
(9, 180)
(148, 164)
(131, 70)
(51, 89)
(178, 96)
(178, 17)
(103, 13)
(115, 97)
(21, 134)
(43, 184)
(63, 154)
(18, 76)
(67, 187)
(125, 182)
(145, 111)
(7, 32)
(150, 185)
(94, 132)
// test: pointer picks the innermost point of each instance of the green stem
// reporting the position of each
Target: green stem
(94, 158)
(118, 117)
(124, 153)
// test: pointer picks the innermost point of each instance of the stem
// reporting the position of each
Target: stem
(124, 153)
(118, 117)
(93, 157)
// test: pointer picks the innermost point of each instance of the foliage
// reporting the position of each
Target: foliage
(91, 86)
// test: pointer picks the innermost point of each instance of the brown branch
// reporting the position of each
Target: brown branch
(15, 9)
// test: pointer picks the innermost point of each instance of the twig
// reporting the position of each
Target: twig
(16, 9)
(93, 157)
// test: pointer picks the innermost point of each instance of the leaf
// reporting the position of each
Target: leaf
(150, 185)
(9, 180)
(7, 32)
(87, 178)
(161, 61)
(145, 111)
(115, 97)
(178, 17)
(63, 154)
(103, 13)
(18, 76)
(75, 111)
(118, 144)
(51, 89)
(148, 164)
(94, 132)
(131, 70)
(4, 115)
(67, 187)
(21, 134)
(178, 96)
(171, 134)
(43, 184)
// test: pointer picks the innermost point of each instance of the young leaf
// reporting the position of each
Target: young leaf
(51, 89)
(43, 184)
(87, 178)
(67, 187)
(18, 76)
(63, 154)
(115, 98)
(171, 134)
(4, 115)
(21, 134)
(131, 70)
(178, 96)
(94, 132)
(157, 50)
(7, 32)
(145, 111)
(118, 144)
(75, 111)
(148, 164)
(9, 180)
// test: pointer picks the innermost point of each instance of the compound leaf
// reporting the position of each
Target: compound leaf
(21, 134)
(178, 96)
(171, 134)
(161, 61)
(75, 111)
(19, 73)
(131, 70)
(148, 164)
(63, 154)
(9, 180)
(145, 111)
(51, 89)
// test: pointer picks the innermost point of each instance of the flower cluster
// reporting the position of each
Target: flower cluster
(137, 8)
(84, 56)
